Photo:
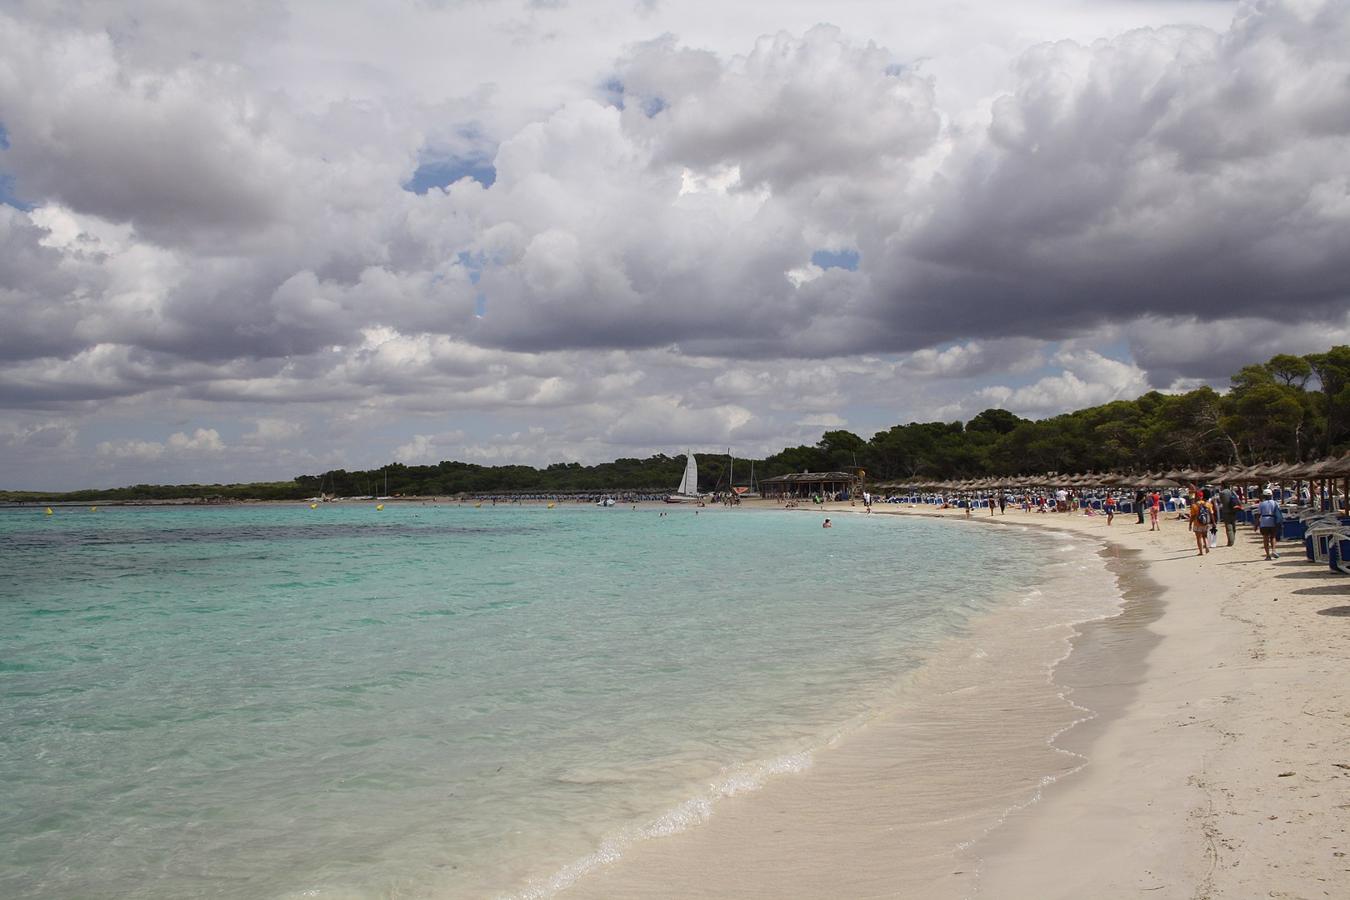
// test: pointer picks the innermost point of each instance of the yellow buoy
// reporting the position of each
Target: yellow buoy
(314, 506)
(550, 506)
(380, 506)
(49, 510)
(93, 509)
(478, 506)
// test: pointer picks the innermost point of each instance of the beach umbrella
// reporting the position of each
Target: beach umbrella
(1312, 468)
(1302, 470)
(1338, 467)
(1280, 471)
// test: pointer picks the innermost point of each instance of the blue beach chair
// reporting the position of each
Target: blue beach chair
(1293, 530)
(1317, 545)
(1338, 553)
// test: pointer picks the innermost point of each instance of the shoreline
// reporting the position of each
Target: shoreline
(900, 806)
(1198, 779)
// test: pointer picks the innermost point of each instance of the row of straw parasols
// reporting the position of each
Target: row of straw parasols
(1329, 469)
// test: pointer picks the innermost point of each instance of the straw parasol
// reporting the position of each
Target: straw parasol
(1334, 467)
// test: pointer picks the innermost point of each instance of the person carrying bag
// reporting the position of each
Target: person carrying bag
(1270, 518)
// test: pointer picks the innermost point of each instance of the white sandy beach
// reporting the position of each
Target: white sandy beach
(1217, 763)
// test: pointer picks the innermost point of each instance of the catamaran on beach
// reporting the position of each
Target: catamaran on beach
(687, 492)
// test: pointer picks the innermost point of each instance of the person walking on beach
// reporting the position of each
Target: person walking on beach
(1213, 534)
(1154, 503)
(1109, 506)
(1269, 519)
(1139, 504)
(1228, 510)
(1199, 517)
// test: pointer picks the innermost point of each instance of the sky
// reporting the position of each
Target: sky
(246, 241)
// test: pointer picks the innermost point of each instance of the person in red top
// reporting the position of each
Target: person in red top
(1154, 505)
(1109, 506)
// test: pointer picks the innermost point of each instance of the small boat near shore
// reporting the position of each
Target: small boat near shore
(687, 492)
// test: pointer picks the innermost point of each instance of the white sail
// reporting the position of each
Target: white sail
(689, 483)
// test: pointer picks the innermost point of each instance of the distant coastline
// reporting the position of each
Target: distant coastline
(85, 498)
(1154, 432)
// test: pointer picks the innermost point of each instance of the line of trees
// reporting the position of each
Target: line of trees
(1289, 408)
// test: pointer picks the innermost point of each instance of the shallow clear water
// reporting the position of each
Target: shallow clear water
(270, 701)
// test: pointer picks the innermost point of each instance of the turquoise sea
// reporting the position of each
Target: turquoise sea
(435, 700)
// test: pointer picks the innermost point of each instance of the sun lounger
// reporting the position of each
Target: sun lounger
(1317, 543)
(1338, 553)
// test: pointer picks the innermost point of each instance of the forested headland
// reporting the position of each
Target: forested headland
(1287, 409)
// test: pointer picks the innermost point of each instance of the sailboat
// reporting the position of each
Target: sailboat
(687, 492)
(747, 492)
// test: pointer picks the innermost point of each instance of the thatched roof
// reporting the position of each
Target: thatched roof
(1331, 467)
(809, 478)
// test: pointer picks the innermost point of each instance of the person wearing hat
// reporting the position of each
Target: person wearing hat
(1269, 519)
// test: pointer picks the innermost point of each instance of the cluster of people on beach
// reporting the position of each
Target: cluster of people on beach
(1208, 509)
(1205, 510)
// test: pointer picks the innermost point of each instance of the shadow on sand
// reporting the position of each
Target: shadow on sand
(1325, 590)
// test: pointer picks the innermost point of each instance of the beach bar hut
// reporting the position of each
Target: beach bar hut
(806, 484)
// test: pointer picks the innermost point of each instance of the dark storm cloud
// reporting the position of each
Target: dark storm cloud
(1185, 348)
(166, 151)
(1166, 172)
(39, 297)
(1169, 171)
